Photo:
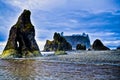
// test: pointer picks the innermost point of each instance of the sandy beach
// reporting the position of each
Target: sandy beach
(112, 57)
(77, 65)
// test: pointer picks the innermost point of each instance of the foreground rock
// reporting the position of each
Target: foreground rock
(59, 43)
(21, 42)
(98, 45)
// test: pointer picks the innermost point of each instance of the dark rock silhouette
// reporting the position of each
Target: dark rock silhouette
(80, 47)
(21, 42)
(118, 47)
(59, 43)
(98, 45)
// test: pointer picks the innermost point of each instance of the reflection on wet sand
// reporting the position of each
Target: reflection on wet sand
(24, 69)
(31, 69)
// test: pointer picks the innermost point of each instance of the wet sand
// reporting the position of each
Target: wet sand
(80, 65)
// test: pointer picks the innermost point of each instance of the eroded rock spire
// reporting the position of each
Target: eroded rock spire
(21, 41)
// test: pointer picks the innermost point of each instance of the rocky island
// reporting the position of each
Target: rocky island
(75, 39)
(98, 45)
(21, 41)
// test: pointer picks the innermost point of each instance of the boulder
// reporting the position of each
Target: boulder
(98, 45)
(80, 47)
(21, 41)
(59, 43)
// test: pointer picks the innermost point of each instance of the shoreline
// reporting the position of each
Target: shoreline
(111, 57)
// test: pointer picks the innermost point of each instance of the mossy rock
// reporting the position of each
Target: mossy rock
(36, 53)
(11, 53)
(28, 54)
(60, 53)
(21, 42)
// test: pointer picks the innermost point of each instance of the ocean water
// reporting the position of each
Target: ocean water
(77, 65)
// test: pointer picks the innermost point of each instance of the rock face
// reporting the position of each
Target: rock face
(59, 43)
(98, 45)
(78, 39)
(21, 41)
(80, 47)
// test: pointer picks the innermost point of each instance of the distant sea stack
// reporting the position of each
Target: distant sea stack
(98, 45)
(59, 43)
(21, 41)
(80, 47)
(118, 47)
(74, 40)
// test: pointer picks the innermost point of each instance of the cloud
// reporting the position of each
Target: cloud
(100, 19)
(113, 44)
(74, 19)
(8, 16)
(2, 46)
(36, 4)
(41, 44)
(48, 5)
(102, 25)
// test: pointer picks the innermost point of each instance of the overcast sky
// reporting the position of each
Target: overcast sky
(98, 18)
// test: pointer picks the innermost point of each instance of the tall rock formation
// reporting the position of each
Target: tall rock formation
(21, 41)
(98, 45)
(59, 43)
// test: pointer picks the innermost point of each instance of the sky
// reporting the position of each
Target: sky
(100, 19)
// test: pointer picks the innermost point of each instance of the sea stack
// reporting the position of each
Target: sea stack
(59, 43)
(76, 39)
(80, 47)
(118, 47)
(21, 41)
(98, 45)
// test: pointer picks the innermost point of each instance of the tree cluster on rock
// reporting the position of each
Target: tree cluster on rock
(21, 41)
(78, 38)
(80, 47)
(59, 43)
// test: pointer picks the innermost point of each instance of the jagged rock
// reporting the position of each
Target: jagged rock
(59, 43)
(21, 41)
(80, 47)
(98, 45)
